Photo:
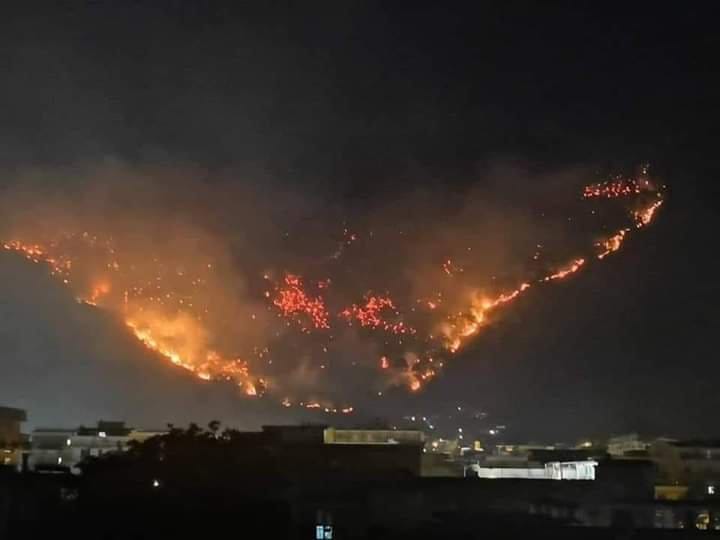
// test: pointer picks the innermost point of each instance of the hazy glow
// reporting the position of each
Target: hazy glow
(186, 301)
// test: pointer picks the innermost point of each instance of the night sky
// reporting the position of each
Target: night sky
(360, 104)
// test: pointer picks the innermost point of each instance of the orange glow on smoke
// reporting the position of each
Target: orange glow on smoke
(99, 290)
(180, 341)
(60, 266)
(167, 306)
(468, 324)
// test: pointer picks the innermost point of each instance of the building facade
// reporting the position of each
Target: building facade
(64, 449)
(333, 435)
(11, 438)
(571, 470)
(692, 464)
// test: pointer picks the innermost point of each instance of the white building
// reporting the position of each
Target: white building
(554, 470)
(53, 449)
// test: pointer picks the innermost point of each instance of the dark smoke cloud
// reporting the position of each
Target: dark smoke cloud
(250, 224)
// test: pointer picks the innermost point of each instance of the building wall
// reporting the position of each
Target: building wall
(11, 438)
(696, 467)
(509, 472)
(372, 436)
(621, 445)
(440, 465)
(10, 420)
(66, 448)
(339, 461)
(583, 470)
(9, 431)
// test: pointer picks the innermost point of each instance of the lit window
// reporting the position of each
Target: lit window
(323, 532)
(702, 521)
(102, 434)
(68, 442)
(711, 490)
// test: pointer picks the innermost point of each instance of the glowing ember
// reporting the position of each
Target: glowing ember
(565, 272)
(450, 268)
(370, 315)
(644, 216)
(60, 265)
(468, 324)
(292, 300)
(611, 244)
(618, 187)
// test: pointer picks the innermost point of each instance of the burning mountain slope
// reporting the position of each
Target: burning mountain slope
(316, 337)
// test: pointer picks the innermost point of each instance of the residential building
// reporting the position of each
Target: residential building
(64, 449)
(11, 437)
(694, 464)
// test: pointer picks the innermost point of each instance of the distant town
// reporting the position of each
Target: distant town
(340, 482)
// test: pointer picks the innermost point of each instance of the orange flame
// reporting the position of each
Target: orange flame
(645, 216)
(565, 272)
(468, 324)
(611, 244)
